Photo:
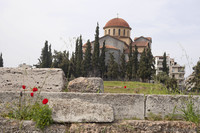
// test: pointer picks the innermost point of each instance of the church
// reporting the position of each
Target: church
(117, 37)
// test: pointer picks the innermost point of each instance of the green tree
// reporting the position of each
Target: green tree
(130, 63)
(164, 64)
(45, 60)
(71, 72)
(150, 64)
(196, 79)
(102, 65)
(135, 63)
(122, 66)
(61, 60)
(143, 71)
(112, 68)
(79, 58)
(87, 65)
(95, 55)
(1, 60)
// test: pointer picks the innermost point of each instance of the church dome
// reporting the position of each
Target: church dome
(117, 22)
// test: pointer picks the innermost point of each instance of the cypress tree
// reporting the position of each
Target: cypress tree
(95, 55)
(142, 71)
(130, 63)
(71, 72)
(45, 60)
(76, 50)
(87, 60)
(102, 66)
(135, 62)
(1, 60)
(122, 66)
(112, 68)
(79, 58)
(150, 64)
(164, 64)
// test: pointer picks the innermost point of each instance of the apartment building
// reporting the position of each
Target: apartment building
(175, 70)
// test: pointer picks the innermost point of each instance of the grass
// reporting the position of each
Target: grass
(134, 87)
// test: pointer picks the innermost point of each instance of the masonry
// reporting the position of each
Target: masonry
(125, 106)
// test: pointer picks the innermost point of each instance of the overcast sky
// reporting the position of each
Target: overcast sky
(174, 26)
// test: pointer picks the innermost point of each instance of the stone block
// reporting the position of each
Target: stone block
(167, 104)
(48, 79)
(76, 110)
(86, 85)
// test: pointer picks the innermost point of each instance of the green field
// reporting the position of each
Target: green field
(133, 87)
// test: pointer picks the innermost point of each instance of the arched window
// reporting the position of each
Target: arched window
(124, 32)
(105, 32)
(127, 32)
(113, 31)
(109, 31)
(119, 32)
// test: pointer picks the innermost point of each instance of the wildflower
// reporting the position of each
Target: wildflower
(125, 87)
(23, 86)
(35, 89)
(45, 101)
(32, 94)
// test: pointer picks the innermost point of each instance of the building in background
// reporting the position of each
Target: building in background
(117, 37)
(175, 70)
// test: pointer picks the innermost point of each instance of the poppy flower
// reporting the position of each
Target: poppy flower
(125, 87)
(23, 86)
(45, 101)
(32, 94)
(35, 89)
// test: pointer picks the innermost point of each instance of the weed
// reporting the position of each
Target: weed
(154, 117)
(190, 113)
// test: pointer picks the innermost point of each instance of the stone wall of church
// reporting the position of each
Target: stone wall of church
(112, 42)
(116, 54)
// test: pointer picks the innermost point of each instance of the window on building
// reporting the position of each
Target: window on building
(109, 31)
(119, 32)
(105, 32)
(127, 32)
(113, 31)
(124, 32)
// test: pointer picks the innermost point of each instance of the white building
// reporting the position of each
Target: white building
(175, 70)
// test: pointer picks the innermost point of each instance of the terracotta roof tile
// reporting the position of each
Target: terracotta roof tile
(140, 44)
(148, 38)
(109, 47)
(117, 22)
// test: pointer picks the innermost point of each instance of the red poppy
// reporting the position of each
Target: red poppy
(45, 101)
(35, 89)
(125, 87)
(23, 86)
(32, 94)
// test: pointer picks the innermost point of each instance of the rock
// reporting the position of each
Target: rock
(75, 110)
(88, 85)
(48, 79)
(135, 126)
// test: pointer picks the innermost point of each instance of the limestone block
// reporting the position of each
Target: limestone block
(165, 104)
(48, 79)
(75, 110)
(90, 85)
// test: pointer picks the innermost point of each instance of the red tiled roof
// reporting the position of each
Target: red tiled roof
(140, 44)
(109, 47)
(148, 38)
(117, 22)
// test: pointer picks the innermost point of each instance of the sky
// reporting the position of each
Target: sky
(25, 25)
